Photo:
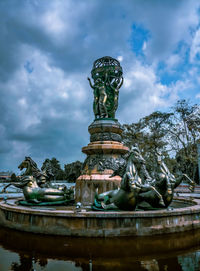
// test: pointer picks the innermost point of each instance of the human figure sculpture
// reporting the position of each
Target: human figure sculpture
(162, 173)
(107, 74)
(147, 191)
(140, 165)
(137, 186)
(35, 194)
(36, 185)
(165, 182)
(124, 198)
(95, 87)
(100, 98)
(115, 86)
(102, 101)
(132, 190)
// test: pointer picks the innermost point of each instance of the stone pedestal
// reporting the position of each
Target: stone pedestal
(104, 155)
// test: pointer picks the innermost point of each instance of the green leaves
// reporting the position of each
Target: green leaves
(173, 134)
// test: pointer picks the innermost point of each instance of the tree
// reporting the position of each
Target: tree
(73, 171)
(183, 136)
(174, 135)
(13, 177)
(56, 170)
(149, 134)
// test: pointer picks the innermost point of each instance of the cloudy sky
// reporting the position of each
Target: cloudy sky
(47, 49)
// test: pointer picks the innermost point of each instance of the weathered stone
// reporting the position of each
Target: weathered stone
(105, 153)
(69, 221)
(105, 125)
(105, 137)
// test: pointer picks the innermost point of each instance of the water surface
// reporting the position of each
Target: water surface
(24, 251)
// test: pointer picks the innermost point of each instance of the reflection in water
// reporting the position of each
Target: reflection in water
(191, 261)
(28, 252)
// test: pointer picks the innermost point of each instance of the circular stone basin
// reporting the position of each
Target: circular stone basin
(69, 221)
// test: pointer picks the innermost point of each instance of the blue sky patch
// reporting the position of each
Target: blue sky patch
(139, 35)
(28, 67)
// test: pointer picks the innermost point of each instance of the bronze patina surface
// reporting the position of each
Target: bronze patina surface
(108, 79)
(37, 187)
(138, 188)
(69, 221)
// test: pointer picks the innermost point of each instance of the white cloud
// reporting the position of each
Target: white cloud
(173, 61)
(120, 58)
(142, 92)
(47, 50)
(144, 46)
(195, 47)
(53, 23)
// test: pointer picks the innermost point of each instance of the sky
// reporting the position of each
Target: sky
(47, 49)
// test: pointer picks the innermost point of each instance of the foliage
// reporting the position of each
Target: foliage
(13, 177)
(73, 171)
(70, 173)
(174, 135)
(57, 172)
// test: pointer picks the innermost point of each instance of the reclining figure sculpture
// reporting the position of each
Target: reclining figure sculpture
(37, 188)
(137, 186)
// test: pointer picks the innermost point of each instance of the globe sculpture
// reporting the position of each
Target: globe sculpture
(107, 75)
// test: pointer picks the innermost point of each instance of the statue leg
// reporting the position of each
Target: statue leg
(108, 195)
(53, 198)
(54, 191)
(151, 195)
(110, 206)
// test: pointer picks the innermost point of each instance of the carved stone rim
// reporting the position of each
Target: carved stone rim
(105, 147)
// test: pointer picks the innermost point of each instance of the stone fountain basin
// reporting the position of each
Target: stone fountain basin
(83, 222)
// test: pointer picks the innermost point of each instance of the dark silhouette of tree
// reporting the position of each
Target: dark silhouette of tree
(73, 171)
(174, 135)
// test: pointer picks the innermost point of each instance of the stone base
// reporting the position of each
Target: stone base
(69, 221)
(88, 185)
(105, 147)
(105, 154)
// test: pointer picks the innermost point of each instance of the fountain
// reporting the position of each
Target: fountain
(115, 194)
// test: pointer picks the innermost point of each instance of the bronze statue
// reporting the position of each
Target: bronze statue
(115, 86)
(36, 185)
(96, 96)
(132, 187)
(140, 165)
(124, 198)
(102, 101)
(137, 186)
(107, 76)
(35, 194)
(42, 177)
(165, 182)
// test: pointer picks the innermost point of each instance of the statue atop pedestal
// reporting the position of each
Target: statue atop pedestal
(105, 150)
(107, 75)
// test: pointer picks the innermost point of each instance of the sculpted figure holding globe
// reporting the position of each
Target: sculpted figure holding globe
(107, 76)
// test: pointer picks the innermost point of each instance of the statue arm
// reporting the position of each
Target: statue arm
(5, 187)
(90, 83)
(121, 83)
(18, 185)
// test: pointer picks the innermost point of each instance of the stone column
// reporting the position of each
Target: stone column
(104, 155)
